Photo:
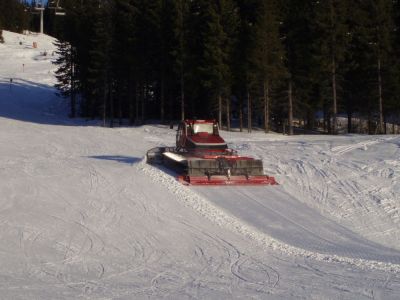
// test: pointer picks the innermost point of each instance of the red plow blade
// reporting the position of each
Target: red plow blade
(223, 180)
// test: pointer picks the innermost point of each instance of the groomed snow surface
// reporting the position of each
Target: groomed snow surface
(82, 216)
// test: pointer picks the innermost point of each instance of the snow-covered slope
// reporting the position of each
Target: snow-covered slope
(83, 216)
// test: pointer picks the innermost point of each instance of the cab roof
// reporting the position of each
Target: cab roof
(189, 121)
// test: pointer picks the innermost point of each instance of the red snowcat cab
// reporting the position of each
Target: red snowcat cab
(202, 157)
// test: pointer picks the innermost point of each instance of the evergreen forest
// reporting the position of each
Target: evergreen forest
(271, 64)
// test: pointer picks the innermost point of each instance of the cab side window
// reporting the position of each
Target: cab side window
(215, 129)
(180, 130)
(189, 129)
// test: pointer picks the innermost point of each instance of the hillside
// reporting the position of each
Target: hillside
(84, 217)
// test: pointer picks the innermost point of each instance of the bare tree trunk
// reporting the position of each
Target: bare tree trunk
(329, 122)
(381, 131)
(334, 108)
(144, 98)
(349, 122)
(249, 116)
(182, 46)
(105, 98)
(182, 97)
(162, 100)
(132, 100)
(171, 108)
(334, 91)
(111, 101)
(241, 115)
(119, 107)
(290, 108)
(228, 113)
(138, 89)
(220, 110)
(384, 125)
(266, 106)
(73, 102)
(369, 123)
(325, 116)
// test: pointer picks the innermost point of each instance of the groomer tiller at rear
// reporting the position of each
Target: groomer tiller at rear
(202, 157)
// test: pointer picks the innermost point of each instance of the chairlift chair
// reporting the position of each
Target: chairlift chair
(58, 10)
(39, 6)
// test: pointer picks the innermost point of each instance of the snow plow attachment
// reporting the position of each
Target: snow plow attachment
(223, 180)
(196, 169)
(225, 171)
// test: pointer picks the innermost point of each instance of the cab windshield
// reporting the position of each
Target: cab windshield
(205, 127)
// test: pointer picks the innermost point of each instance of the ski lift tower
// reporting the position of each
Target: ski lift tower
(53, 5)
(40, 7)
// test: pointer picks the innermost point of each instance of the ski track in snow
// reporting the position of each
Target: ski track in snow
(247, 204)
(340, 186)
(83, 217)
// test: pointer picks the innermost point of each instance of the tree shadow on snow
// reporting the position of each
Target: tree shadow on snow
(118, 158)
(29, 101)
(33, 102)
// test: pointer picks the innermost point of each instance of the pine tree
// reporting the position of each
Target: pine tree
(69, 47)
(171, 56)
(395, 62)
(207, 58)
(1, 29)
(268, 53)
(355, 62)
(212, 68)
(179, 54)
(175, 59)
(243, 76)
(298, 18)
(331, 48)
(372, 61)
(181, 51)
(99, 68)
(230, 21)
(148, 56)
(382, 28)
(1, 33)
(65, 74)
(13, 15)
(123, 62)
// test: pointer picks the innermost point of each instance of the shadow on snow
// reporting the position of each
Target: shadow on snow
(33, 102)
(118, 158)
(29, 101)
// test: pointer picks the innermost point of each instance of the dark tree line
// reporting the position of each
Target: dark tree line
(20, 15)
(254, 62)
(13, 16)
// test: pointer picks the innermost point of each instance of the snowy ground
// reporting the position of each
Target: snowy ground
(83, 217)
